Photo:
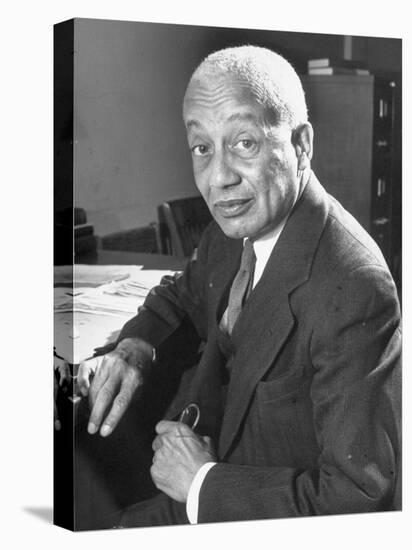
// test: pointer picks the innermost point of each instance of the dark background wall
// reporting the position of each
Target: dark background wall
(130, 150)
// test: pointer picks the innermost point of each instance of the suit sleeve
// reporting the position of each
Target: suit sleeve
(356, 396)
(175, 299)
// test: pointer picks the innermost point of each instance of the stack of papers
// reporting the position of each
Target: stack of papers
(87, 317)
(114, 298)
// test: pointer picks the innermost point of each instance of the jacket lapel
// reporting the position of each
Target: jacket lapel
(266, 320)
(225, 268)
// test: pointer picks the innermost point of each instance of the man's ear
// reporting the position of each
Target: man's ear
(302, 140)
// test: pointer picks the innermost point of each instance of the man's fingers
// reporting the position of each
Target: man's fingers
(104, 393)
(57, 425)
(64, 374)
(119, 406)
(157, 443)
(165, 426)
(63, 369)
(154, 473)
(86, 369)
(101, 376)
(103, 399)
(56, 420)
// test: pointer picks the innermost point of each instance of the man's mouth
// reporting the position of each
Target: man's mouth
(232, 207)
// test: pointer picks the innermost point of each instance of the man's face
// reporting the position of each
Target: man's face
(244, 168)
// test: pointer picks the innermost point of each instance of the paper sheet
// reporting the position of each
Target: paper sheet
(88, 317)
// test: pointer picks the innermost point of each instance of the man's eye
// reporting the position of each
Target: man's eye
(200, 150)
(245, 145)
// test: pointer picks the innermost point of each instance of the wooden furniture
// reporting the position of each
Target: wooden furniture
(118, 257)
(357, 153)
(72, 231)
(94, 476)
(138, 239)
(181, 224)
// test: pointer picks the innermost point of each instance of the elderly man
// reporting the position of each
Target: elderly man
(298, 385)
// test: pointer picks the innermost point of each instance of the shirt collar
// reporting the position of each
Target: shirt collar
(263, 248)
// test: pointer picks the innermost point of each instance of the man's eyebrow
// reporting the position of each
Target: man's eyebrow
(192, 123)
(243, 116)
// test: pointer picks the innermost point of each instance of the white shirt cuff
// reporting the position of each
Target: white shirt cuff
(192, 503)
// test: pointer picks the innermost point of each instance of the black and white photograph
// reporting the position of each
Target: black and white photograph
(227, 214)
(204, 275)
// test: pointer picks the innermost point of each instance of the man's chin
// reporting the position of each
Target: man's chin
(243, 230)
(234, 231)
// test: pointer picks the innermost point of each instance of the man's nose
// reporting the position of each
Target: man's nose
(223, 171)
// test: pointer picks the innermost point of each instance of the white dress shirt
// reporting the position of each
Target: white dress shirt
(263, 248)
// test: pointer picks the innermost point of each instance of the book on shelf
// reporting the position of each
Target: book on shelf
(338, 70)
(333, 62)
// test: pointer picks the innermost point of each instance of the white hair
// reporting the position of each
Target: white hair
(272, 79)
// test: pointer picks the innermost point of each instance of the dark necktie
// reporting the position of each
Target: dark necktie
(242, 285)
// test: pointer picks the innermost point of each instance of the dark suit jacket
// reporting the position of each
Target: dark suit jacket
(311, 420)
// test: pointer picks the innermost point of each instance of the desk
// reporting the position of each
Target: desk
(103, 475)
(74, 340)
(118, 257)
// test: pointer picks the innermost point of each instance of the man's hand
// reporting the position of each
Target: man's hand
(117, 375)
(61, 376)
(179, 453)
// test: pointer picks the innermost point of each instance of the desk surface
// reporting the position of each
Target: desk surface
(78, 333)
(119, 257)
(114, 472)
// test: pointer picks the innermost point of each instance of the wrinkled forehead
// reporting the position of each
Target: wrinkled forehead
(213, 91)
